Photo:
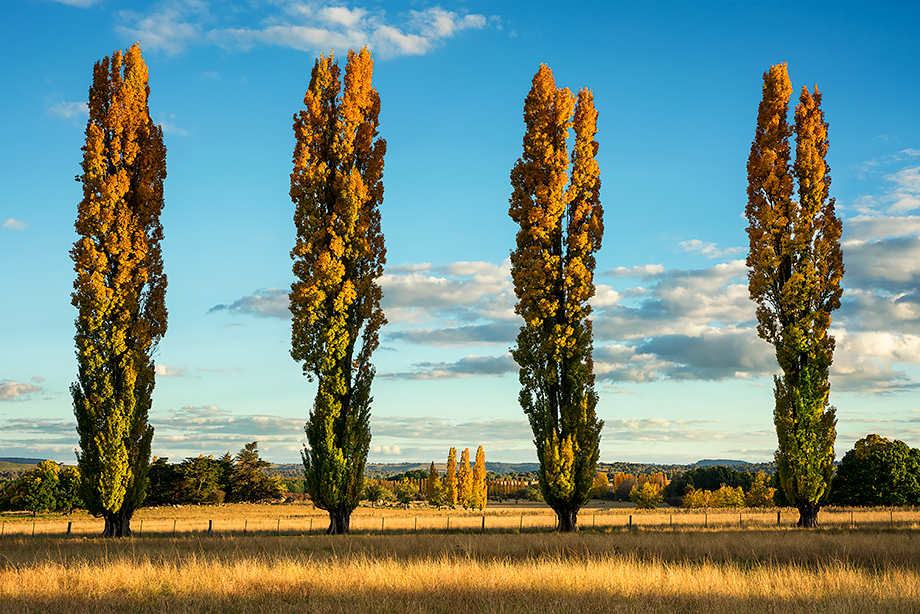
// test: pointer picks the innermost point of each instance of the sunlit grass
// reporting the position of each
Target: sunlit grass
(640, 571)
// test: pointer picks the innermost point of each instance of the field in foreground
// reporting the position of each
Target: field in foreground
(712, 571)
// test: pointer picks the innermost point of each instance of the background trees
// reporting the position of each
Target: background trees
(878, 471)
(561, 224)
(796, 266)
(337, 188)
(120, 289)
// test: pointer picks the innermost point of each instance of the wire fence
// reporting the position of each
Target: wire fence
(535, 521)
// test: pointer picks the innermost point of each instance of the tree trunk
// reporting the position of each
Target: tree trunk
(808, 516)
(117, 525)
(566, 519)
(338, 521)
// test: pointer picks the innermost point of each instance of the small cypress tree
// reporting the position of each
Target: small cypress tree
(434, 480)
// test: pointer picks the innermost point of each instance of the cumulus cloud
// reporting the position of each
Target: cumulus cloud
(428, 428)
(69, 110)
(490, 333)
(386, 450)
(470, 366)
(647, 271)
(14, 224)
(17, 391)
(168, 371)
(172, 27)
(265, 302)
(710, 250)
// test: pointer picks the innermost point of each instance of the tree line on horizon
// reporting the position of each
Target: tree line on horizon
(336, 185)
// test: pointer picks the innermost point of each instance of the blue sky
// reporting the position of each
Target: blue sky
(680, 370)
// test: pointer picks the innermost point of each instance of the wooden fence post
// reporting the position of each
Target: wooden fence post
(68, 528)
(141, 530)
(778, 523)
(630, 522)
(174, 526)
(483, 524)
(311, 524)
(245, 525)
(382, 521)
(416, 523)
(852, 524)
(210, 527)
(521, 529)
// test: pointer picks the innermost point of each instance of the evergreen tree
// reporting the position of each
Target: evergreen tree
(796, 266)
(120, 289)
(337, 188)
(434, 481)
(561, 226)
(248, 482)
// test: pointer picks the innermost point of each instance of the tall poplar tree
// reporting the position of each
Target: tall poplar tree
(464, 479)
(450, 477)
(561, 222)
(796, 266)
(120, 289)
(337, 189)
(480, 494)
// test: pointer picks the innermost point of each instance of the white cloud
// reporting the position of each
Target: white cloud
(710, 250)
(386, 450)
(83, 4)
(644, 272)
(69, 110)
(169, 127)
(15, 391)
(306, 27)
(168, 371)
(13, 224)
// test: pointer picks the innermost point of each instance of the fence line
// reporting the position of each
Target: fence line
(589, 520)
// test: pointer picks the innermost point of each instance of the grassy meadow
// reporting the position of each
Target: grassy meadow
(652, 569)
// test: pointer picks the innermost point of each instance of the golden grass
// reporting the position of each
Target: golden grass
(298, 519)
(645, 571)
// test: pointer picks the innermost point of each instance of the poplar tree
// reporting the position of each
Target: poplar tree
(480, 489)
(561, 226)
(120, 289)
(450, 477)
(337, 189)
(464, 479)
(796, 266)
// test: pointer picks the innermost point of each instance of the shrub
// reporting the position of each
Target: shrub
(648, 497)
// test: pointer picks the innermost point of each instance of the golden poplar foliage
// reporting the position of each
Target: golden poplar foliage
(450, 477)
(464, 479)
(120, 288)
(796, 266)
(561, 226)
(337, 189)
(480, 494)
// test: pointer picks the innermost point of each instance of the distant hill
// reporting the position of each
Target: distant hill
(21, 461)
(709, 462)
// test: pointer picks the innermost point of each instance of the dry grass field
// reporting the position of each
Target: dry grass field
(654, 569)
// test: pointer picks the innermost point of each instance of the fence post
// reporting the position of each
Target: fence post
(777, 518)
(706, 520)
(483, 524)
(245, 525)
(740, 525)
(416, 523)
(448, 522)
(210, 526)
(141, 530)
(630, 522)
(891, 518)
(2, 528)
(852, 525)
(311, 524)
(671, 520)
(174, 526)
(521, 529)
(33, 528)
(68, 528)
(382, 522)
(593, 521)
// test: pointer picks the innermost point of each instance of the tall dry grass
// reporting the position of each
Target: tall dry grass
(710, 571)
